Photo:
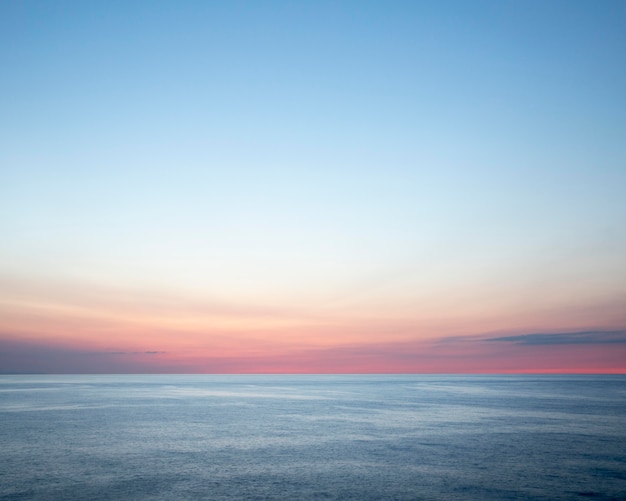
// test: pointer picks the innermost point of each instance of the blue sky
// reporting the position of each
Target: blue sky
(408, 161)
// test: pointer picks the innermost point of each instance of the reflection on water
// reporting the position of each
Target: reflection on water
(312, 437)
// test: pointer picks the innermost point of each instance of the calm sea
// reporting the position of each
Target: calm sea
(312, 437)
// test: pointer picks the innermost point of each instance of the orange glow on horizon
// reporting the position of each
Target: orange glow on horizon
(116, 330)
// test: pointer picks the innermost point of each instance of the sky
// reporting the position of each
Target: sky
(313, 186)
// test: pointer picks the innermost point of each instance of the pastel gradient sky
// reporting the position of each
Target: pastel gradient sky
(313, 186)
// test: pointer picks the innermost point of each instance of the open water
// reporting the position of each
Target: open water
(312, 437)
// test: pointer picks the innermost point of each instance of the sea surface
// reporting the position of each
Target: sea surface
(178, 437)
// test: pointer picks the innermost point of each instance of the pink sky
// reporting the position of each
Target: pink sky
(67, 327)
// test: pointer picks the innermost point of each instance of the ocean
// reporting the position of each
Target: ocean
(299, 437)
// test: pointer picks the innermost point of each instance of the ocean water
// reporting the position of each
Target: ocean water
(312, 437)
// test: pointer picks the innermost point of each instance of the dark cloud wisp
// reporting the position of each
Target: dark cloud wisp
(585, 337)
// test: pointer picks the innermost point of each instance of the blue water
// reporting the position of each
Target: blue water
(312, 437)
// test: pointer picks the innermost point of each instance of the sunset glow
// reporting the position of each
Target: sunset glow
(333, 187)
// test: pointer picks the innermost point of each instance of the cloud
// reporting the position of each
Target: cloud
(584, 337)
(17, 356)
(126, 353)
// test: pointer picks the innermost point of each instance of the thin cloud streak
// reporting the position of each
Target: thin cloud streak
(585, 337)
(105, 353)
(48, 357)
